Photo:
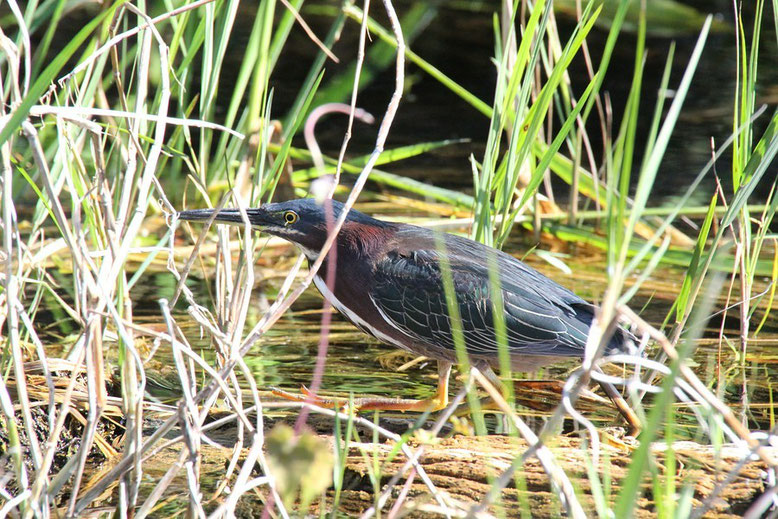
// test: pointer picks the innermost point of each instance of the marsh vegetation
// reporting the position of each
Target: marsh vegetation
(628, 153)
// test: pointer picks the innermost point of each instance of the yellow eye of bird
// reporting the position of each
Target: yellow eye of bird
(290, 217)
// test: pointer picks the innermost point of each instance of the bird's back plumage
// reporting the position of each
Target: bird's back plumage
(541, 317)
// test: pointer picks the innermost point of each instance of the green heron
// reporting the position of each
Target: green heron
(389, 283)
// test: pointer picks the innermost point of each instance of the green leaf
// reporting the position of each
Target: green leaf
(301, 465)
(666, 18)
(691, 272)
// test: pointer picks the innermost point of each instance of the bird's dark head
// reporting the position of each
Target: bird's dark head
(303, 221)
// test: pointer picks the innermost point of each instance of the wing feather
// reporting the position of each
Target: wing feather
(541, 317)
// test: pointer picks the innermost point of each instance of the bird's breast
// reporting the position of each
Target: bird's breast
(358, 313)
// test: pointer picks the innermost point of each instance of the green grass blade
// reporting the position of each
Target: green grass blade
(691, 273)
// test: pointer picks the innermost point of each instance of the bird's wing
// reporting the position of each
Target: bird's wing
(541, 317)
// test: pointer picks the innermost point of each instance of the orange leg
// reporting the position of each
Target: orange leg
(626, 411)
(436, 403)
(555, 387)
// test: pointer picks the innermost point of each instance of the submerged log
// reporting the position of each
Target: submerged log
(463, 469)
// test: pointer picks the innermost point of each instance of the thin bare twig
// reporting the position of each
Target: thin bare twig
(95, 55)
(400, 74)
(310, 32)
(81, 111)
(309, 130)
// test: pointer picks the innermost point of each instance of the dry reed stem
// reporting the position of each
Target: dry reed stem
(721, 484)
(41, 481)
(400, 74)
(705, 396)
(187, 413)
(310, 32)
(184, 272)
(239, 292)
(93, 331)
(259, 436)
(575, 384)
(133, 396)
(410, 464)
(25, 49)
(11, 319)
(10, 303)
(76, 113)
(97, 396)
(556, 475)
(12, 252)
(695, 383)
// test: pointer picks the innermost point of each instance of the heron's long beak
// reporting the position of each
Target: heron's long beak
(257, 217)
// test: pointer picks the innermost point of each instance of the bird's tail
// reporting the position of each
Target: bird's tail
(622, 342)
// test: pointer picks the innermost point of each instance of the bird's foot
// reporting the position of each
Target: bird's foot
(307, 396)
(365, 403)
(635, 425)
(400, 404)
